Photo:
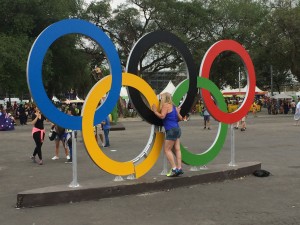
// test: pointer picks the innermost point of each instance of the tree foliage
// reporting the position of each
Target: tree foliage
(269, 31)
(21, 21)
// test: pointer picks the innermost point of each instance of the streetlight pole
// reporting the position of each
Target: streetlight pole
(271, 70)
(239, 79)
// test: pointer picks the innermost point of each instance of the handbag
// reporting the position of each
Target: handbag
(52, 134)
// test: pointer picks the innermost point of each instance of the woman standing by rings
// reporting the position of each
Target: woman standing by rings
(170, 116)
(38, 134)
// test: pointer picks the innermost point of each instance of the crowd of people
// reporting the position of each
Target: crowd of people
(28, 113)
(167, 111)
(280, 106)
(10, 113)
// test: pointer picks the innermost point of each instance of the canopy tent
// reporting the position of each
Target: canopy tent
(124, 93)
(169, 88)
(282, 96)
(242, 91)
(257, 90)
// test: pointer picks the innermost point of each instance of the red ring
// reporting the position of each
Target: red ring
(211, 54)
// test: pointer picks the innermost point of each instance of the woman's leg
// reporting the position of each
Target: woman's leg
(178, 152)
(65, 145)
(35, 149)
(38, 143)
(168, 151)
(102, 139)
(106, 132)
(207, 122)
(57, 146)
(70, 149)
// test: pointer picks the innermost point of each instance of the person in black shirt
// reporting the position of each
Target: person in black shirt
(38, 134)
(22, 114)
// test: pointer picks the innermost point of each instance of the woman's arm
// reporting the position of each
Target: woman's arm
(163, 112)
(180, 118)
(35, 119)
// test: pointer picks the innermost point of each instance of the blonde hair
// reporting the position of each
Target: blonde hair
(165, 98)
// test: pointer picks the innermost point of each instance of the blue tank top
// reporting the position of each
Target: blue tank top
(171, 120)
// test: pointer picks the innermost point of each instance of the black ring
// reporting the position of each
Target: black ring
(143, 45)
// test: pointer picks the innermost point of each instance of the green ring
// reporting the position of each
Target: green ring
(207, 156)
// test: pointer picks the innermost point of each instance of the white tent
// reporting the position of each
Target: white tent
(257, 90)
(169, 88)
(242, 91)
(282, 96)
(124, 93)
(228, 91)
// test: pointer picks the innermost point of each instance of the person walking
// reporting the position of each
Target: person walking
(60, 135)
(68, 136)
(254, 109)
(170, 116)
(243, 121)
(99, 132)
(106, 128)
(293, 106)
(38, 134)
(297, 113)
(206, 116)
(22, 115)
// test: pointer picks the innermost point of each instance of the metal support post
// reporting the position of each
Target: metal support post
(232, 162)
(74, 183)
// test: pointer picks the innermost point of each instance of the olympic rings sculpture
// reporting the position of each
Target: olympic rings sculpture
(111, 84)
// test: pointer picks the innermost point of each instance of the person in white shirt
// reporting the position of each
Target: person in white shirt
(297, 114)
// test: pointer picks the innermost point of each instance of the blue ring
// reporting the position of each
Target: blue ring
(34, 71)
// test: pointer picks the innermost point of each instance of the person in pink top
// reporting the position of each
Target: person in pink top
(38, 134)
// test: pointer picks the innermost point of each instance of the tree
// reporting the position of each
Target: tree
(278, 45)
(269, 31)
(21, 21)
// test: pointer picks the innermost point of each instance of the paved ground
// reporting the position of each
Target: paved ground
(270, 139)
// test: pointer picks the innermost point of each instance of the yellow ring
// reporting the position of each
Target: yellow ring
(92, 147)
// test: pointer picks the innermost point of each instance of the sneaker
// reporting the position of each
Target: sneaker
(33, 158)
(179, 172)
(55, 158)
(41, 162)
(105, 146)
(68, 161)
(68, 157)
(204, 128)
(208, 128)
(173, 173)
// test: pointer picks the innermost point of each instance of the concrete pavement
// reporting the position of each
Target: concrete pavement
(270, 139)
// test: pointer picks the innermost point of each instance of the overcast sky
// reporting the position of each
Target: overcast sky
(114, 3)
